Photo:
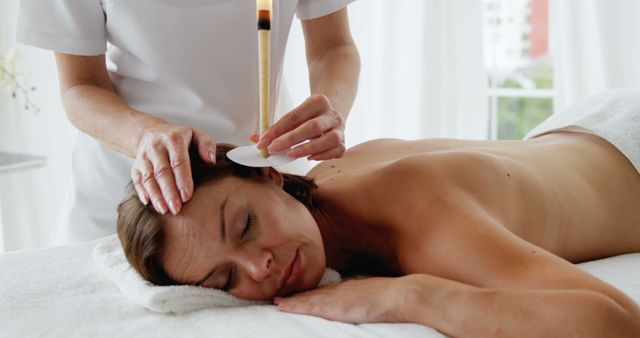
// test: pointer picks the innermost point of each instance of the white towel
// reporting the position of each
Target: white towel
(109, 256)
(613, 115)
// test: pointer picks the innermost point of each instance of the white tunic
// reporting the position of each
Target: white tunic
(189, 62)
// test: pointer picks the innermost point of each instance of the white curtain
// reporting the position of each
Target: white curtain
(595, 46)
(30, 199)
(423, 71)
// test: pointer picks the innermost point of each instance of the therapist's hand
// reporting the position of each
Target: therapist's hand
(315, 120)
(161, 172)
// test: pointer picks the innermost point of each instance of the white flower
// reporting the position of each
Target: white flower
(16, 82)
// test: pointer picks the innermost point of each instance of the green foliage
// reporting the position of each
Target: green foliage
(519, 115)
(541, 75)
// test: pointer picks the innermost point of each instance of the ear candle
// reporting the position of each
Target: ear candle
(264, 8)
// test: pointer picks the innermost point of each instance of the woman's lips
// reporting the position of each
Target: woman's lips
(292, 274)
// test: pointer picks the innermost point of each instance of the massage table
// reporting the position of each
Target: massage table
(59, 292)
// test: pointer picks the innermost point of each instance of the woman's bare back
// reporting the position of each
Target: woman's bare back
(572, 194)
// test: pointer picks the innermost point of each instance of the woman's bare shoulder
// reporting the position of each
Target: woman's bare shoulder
(421, 187)
(380, 153)
(357, 157)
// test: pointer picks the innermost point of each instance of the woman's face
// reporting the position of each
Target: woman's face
(246, 237)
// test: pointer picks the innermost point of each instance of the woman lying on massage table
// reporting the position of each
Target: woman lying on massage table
(472, 238)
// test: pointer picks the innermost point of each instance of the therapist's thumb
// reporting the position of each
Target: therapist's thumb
(206, 146)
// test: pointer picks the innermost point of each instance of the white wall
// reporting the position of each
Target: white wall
(31, 199)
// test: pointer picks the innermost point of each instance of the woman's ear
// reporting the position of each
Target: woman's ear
(273, 175)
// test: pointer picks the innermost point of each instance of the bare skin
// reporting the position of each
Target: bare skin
(472, 238)
(572, 194)
(491, 216)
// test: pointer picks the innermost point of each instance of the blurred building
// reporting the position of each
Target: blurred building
(539, 28)
(516, 33)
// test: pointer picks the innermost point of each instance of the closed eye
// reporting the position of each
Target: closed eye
(247, 227)
(232, 271)
(230, 279)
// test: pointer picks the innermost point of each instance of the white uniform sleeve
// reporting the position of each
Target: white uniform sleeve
(312, 9)
(66, 26)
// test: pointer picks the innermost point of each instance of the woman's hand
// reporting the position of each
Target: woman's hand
(161, 172)
(315, 120)
(367, 300)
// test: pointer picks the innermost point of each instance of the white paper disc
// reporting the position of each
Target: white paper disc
(250, 156)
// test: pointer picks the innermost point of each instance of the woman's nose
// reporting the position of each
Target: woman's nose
(259, 265)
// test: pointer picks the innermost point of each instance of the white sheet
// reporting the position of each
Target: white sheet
(59, 292)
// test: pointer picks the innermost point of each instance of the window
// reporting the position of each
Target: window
(519, 66)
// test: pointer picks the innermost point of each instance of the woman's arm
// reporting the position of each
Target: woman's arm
(333, 60)
(504, 294)
(505, 286)
(461, 310)
(93, 106)
(161, 171)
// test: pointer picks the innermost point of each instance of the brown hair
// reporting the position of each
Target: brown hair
(140, 228)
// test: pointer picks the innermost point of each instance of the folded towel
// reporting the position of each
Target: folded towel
(109, 256)
(613, 115)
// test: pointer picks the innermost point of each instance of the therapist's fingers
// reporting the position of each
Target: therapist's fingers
(307, 131)
(178, 151)
(136, 178)
(308, 109)
(330, 143)
(335, 152)
(164, 178)
(151, 186)
(206, 146)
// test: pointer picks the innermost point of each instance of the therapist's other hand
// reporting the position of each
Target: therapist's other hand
(161, 172)
(315, 120)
